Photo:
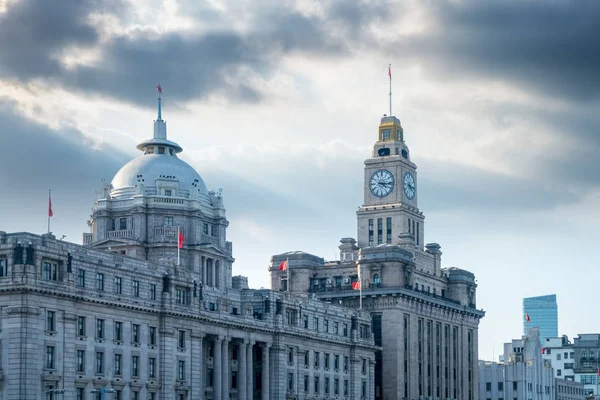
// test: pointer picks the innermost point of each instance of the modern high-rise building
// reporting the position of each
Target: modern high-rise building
(541, 312)
(424, 315)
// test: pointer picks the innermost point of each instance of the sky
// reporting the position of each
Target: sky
(278, 104)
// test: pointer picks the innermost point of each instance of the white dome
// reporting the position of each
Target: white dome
(147, 168)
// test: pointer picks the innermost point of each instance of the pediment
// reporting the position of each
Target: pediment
(106, 243)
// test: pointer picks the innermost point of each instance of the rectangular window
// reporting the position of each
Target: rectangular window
(370, 232)
(117, 364)
(345, 387)
(152, 291)
(316, 323)
(336, 386)
(306, 358)
(3, 267)
(99, 329)
(80, 360)
(122, 223)
(168, 221)
(326, 326)
(151, 367)
(50, 321)
(50, 271)
(135, 333)
(152, 336)
(81, 277)
(501, 386)
(205, 229)
(50, 357)
(305, 383)
(326, 356)
(118, 331)
(118, 285)
(181, 340)
(346, 363)
(385, 134)
(135, 366)
(290, 355)
(99, 362)
(181, 370)
(305, 320)
(326, 385)
(317, 359)
(336, 362)
(81, 393)
(100, 281)
(136, 288)
(80, 326)
(364, 389)
(379, 230)
(182, 296)
(364, 366)
(345, 329)
(317, 388)
(388, 226)
(290, 384)
(336, 328)
(135, 395)
(234, 379)
(417, 235)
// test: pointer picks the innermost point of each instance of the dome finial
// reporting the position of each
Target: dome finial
(159, 89)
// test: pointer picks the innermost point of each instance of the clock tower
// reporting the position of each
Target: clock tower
(390, 214)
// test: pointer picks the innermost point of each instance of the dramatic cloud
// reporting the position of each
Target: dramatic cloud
(549, 47)
(195, 64)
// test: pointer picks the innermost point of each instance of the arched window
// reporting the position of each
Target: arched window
(376, 279)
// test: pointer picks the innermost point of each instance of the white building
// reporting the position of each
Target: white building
(525, 374)
(559, 351)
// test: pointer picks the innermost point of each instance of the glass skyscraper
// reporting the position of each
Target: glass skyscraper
(543, 313)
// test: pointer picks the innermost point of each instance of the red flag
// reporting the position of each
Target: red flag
(283, 266)
(159, 88)
(180, 241)
(390, 71)
(356, 285)
(527, 317)
(543, 350)
(50, 213)
(598, 371)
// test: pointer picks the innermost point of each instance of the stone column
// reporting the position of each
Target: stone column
(197, 359)
(203, 269)
(371, 379)
(217, 375)
(250, 371)
(265, 372)
(242, 389)
(226, 384)
(212, 269)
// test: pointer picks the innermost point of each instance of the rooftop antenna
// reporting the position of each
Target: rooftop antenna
(390, 75)
(159, 90)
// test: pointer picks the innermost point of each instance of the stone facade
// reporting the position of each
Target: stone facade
(148, 306)
(525, 374)
(424, 316)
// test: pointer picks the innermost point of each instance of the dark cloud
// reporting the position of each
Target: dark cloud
(548, 47)
(189, 66)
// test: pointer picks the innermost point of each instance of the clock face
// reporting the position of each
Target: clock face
(382, 183)
(409, 185)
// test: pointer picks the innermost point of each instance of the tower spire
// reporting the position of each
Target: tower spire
(159, 89)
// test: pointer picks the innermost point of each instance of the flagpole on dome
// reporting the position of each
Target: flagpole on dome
(178, 235)
(159, 89)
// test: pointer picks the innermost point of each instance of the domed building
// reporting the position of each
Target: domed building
(151, 201)
(147, 307)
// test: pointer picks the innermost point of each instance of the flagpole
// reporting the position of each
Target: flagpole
(287, 269)
(178, 239)
(359, 287)
(390, 74)
(49, 207)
